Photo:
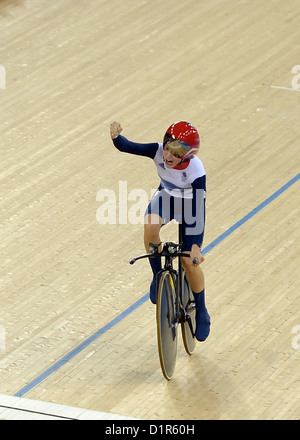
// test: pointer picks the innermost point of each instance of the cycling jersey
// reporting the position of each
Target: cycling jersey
(181, 193)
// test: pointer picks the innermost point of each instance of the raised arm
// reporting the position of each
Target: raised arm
(126, 146)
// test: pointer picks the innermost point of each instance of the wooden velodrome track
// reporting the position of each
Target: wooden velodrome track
(71, 331)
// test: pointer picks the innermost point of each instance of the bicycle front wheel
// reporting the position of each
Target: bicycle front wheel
(167, 324)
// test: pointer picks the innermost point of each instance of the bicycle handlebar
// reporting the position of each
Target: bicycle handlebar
(164, 253)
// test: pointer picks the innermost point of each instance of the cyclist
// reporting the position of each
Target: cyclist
(180, 196)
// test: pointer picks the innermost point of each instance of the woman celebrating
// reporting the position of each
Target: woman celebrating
(180, 196)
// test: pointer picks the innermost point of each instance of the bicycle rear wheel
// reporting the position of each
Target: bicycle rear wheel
(189, 324)
(166, 324)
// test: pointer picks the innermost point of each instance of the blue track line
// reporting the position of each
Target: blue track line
(142, 300)
(250, 214)
(80, 347)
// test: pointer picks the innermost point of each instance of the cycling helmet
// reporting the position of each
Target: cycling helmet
(182, 139)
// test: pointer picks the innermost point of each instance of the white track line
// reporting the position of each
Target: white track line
(20, 408)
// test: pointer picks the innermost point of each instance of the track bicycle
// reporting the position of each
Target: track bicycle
(174, 305)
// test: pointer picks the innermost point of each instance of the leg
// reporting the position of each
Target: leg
(153, 223)
(194, 275)
(158, 209)
(192, 242)
(195, 278)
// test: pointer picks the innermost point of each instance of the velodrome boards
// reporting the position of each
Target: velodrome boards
(76, 327)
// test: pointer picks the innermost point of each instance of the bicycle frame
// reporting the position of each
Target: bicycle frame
(171, 251)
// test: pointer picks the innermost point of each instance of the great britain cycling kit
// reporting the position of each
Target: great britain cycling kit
(182, 191)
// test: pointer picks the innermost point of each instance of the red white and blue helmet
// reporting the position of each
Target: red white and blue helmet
(182, 139)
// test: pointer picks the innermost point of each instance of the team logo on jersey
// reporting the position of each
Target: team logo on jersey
(183, 177)
(162, 165)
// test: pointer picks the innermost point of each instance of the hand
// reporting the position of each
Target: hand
(115, 130)
(195, 253)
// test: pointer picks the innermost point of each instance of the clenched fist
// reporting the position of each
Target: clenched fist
(115, 129)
